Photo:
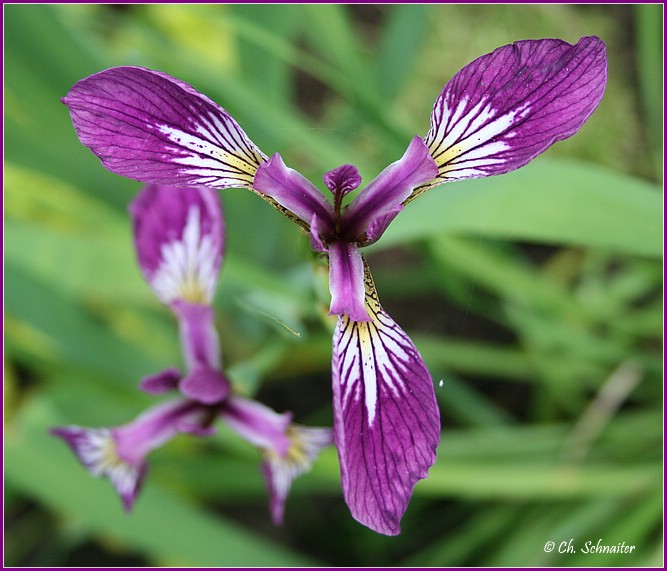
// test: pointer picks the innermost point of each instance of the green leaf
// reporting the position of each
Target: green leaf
(402, 36)
(648, 29)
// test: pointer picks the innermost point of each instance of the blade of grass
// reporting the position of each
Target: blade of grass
(648, 32)
(401, 37)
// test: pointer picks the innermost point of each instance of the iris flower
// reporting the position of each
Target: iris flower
(179, 235)
(494, 116)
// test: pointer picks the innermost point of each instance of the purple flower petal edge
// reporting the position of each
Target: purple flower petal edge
(297, 197)
(346, 281)
(377, 204)
(179, 241)
(96, 450)
(151, 127)
(386, 418)
(505, 108)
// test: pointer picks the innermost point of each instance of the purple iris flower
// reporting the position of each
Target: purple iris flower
(179, 235)
(494, 116)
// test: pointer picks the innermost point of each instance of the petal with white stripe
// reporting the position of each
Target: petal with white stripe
(289, 449)
(119, 453)
(96, 449)
(179, 241)
(386, 418)
(151, 127)
(505, 108)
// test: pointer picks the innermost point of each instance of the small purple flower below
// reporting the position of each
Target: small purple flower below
(494, 116)
(178, 236)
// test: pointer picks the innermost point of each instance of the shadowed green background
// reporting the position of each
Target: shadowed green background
(534, 297)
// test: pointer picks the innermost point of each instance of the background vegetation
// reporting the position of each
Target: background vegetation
(536, 297)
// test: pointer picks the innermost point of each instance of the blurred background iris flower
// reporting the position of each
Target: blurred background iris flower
(535, 297)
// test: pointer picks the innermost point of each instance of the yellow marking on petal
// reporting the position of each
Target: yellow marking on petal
(192, 290)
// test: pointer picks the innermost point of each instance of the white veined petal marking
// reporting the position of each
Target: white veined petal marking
(461, 143)
(376, 356)
(219, 154)
(97, 451)
(189, 265)
(305, 445)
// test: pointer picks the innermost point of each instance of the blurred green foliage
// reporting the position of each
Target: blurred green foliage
(536, 296)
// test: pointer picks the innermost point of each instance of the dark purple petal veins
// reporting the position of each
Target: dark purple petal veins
(387, 191)
(386, 419)
(154, 128)
(179, 241)
(507, 107)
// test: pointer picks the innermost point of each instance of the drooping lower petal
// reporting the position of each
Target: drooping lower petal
(289, 449)
(505, 108)
(388, 190)
(281, 470)
(151, 127)
(346, 281)
(257, 423)
(179, 241)
(386, 418)
(96, 450)
(119, 453)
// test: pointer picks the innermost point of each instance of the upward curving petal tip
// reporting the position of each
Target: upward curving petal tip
(505, 108)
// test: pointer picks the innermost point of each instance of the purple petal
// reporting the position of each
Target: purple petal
(346, 281)
(257, 423)
(289, 449)
(161, 382)
(199, 338)
(281, 470)
(316, 242)
(96, 450)
(377, 227)
(387, 191)
(154, 128)
(342, 180)
(505, 108)
(293, 194)
(179, 241)
(196, 429)
(386, 419)
(204, 385)
(119, 453)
